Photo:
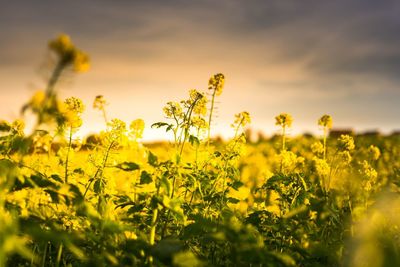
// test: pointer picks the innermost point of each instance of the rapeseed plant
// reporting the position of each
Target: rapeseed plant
(233, 207)
(285, 121)
(326, 123)
(73, 110)
(216, 85)
(100, 104)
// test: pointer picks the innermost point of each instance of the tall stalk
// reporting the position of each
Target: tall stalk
(283, 137)
(210, 117)
(67, 157)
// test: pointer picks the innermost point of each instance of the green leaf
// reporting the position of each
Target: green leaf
(57, 178)
(152, 159)
(193, 140)
(159, 124)
(79, 171)
(54, 195)
(236, 185)
(128, 166)
(233, 200)
(97, 186)
(166, 184)
(145, 178)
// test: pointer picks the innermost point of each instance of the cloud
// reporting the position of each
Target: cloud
(277, 52)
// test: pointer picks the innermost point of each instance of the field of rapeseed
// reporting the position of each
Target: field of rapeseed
(112, 201)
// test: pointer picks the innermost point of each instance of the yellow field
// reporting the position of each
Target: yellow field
(197, 201)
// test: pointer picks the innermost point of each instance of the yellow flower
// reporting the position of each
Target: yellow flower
(317, 148)
(137, 128)
(37, 100)
(242, 119)
(346, 157)
(81, 62)
(284, 120)
(216, 83)
(321, 166)
(346, 142)
(99, 102)
(199, 101)
(199, 122)
(75, 104)
(62, 44)
(289, 161)
(115, 132)
(325, 121)
(68, 54)
(173, 109)
(374, 152)
(18, 127)
(73, 109)
(313, 215)
(369, 172)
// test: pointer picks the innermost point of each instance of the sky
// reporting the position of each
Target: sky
(306, 58)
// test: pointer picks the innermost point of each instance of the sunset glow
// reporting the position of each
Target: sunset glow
(307, 59)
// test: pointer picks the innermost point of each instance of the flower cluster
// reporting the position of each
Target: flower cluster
(18, 127)
(199, 122)
(374, 152)
(369, 174)
(73, 110)
(284, 120)
(317, 148)
(68, 54)
(346, 143)
(173, 110)
(321, 167)
(99, 102)
(199, 102)
(115, 134)
(242, 119)
(216, 83)
(136, 129)
(289, 161)
(325, 121)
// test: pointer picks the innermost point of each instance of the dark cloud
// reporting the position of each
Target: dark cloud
(324, 48)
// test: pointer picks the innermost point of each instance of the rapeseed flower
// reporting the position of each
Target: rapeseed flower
(173, 109)
(99, 102)
(284, 120)
(73, 109)
(346, 143)
(325, 121)
(136, 129)
(242, 119)
(216, 83)
(322, 167)
(68, 54)
(317, 148)
(374, 152)
(199, 102)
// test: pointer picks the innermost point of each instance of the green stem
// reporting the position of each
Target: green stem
(153, 226)
(284, 138)
(59, 254)
(210, 117)
(44, 255)
(55, 76)
(104, 115)
(67, 157)
(325, 134)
